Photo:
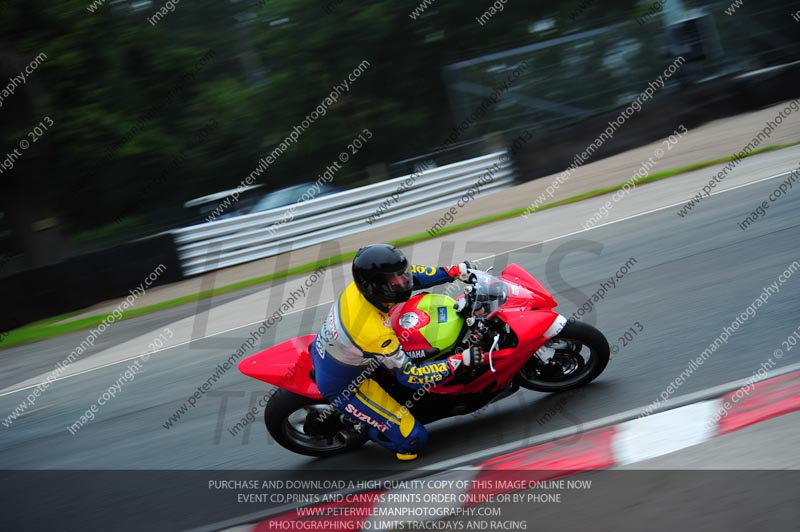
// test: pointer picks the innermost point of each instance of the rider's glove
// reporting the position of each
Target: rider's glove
(473, 357)
(460, 271)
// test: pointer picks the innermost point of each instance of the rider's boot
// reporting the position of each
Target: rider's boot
(406, 456)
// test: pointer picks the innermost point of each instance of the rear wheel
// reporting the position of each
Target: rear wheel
(579, 354)
(309, 426)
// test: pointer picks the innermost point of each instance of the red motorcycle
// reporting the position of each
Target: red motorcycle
(510, 318)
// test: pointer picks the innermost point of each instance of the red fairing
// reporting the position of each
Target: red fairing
(286, 365)
(529, 314)
(514, 273)
(528, 325)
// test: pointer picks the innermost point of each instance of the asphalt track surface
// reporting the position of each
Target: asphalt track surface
(741, 481)
(692, 277)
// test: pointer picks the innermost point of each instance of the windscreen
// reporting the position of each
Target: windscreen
(490, 293)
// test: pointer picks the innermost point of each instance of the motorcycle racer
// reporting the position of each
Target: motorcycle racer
(357, 337)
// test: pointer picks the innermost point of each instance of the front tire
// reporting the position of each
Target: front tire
(581, 355)
(286, 418)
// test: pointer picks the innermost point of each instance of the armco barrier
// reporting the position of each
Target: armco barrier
(231, 241)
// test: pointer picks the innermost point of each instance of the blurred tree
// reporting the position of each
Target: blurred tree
(129, 99)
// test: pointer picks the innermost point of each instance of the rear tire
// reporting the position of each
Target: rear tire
(570, 369)
(285, 417)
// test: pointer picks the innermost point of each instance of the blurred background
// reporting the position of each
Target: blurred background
(146, 121)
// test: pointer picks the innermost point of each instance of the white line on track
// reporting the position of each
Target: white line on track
(626, 218)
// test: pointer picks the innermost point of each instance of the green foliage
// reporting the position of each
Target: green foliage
(129, 98)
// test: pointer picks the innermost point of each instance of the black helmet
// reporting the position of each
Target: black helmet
(382, 274)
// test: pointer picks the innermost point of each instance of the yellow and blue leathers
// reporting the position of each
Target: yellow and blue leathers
(354, 340)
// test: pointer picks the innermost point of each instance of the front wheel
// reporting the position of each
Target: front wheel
(309, 426)
(579, 354)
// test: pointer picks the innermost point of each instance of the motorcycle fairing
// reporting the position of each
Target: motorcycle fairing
(286, 365)
(516, 274)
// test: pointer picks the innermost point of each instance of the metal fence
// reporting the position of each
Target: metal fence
(241, 239)
(577, 75)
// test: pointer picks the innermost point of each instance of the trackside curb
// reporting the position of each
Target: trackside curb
(617, 444)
